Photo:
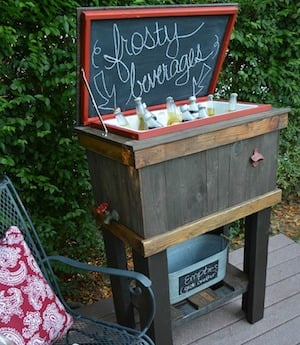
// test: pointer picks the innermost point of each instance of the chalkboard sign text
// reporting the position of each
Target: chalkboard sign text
(202, 275)
(151, 53)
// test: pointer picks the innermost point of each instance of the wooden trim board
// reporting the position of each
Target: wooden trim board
(205, 141)
(140, 154)
(153, 245)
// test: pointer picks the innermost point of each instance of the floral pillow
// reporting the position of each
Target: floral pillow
(30, 312)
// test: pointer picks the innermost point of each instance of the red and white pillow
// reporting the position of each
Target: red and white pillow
(30, 312)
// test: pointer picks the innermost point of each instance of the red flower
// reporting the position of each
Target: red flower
(102, 208)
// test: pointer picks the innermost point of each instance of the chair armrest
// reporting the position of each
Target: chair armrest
(141, 278)
(132, 275)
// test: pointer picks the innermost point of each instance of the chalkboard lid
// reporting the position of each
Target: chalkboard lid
(152, 52)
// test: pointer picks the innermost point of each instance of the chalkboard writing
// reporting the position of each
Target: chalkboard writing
(153, 57)
(203, 275)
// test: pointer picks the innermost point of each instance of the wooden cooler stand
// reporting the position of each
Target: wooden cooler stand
(184, 181)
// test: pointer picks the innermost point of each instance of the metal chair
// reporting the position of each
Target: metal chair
(85, 330)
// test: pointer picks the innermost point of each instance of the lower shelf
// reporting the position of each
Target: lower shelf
(234, 284)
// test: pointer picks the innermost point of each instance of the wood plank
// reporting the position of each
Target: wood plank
(105, 148)
(125, 234)
(278, 241)
(116, 257)
(281, 255)
(282, 314)
(161, 328)
(255, 263)
(277, 256)
(234, 284)
(156, 244)
(283, 271)
(214, 170)
(275, 242)
(239, 170)
(263, 177)
(141, 153)
(223, 330)
(283, 289)
(153, 191)
(223, 179)
(279, 269)
(280, 288)
(191, 132)
(161, 242)
(287, 332)
(205, 141)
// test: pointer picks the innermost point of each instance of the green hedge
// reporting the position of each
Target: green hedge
(263, 65)
(38, 147)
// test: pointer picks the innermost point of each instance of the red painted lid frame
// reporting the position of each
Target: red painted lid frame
(92, 16)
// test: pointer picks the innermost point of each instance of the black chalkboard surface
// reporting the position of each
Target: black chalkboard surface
(152, 53)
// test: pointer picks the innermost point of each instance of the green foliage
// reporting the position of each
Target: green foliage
(38, 147)
(263, 66)
(235, 232)
(289, 160)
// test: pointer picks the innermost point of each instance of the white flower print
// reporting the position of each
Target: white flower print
(53, 321)
(13, 277)
(37, 340)
(9, 257)
(10, 304)
(32, 322)
(36, 291)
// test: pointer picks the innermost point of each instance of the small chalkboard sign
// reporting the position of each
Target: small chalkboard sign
(152, 52)
(202, 275)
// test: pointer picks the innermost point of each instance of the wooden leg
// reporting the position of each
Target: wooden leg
(255, 263)
(116, 257)
(155, 267)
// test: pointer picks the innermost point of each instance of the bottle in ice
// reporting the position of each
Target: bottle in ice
(185, 113)
(121, 119)
(173, 115)
(202, 112)
(140, 110)
(149, 119)
(193, 108)
(232, 102)
(210, 105)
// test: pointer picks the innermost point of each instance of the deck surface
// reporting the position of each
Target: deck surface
(281, 322)
(227, 325)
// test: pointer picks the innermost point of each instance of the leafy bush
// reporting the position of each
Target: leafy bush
(38, 147)
(263, 66)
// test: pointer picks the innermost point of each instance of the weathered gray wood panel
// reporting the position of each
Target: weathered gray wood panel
(119, 186)
(200, 184)
(163, 196)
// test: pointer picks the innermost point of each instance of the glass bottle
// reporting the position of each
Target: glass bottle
(149, 119)
(186, 114)
(232, 102)
(210, 105)
(173, 115)
(121, 119)
(193, 108)
(202, 112)
(140, 110)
